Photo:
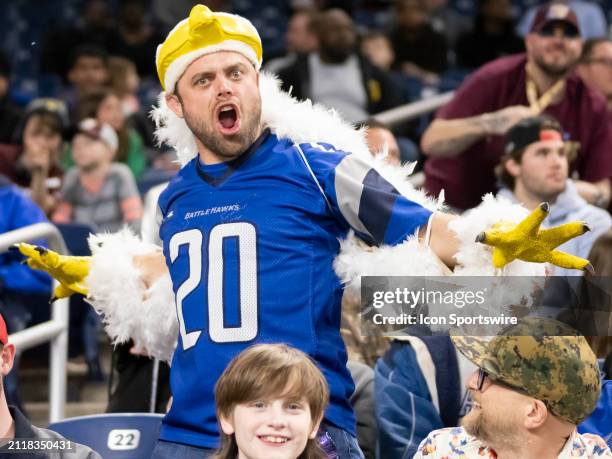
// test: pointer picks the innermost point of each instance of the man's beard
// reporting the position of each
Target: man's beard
(553, 71)
(227, 147)
(490, 430)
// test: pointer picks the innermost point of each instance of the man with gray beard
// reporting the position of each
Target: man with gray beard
(536, 381)
(465, 141)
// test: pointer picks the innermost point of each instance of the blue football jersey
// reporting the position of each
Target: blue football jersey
(250, 246)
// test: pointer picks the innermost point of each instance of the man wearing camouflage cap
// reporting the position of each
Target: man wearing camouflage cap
(534, 384)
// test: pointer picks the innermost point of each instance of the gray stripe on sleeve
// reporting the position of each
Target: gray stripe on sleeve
(350, 174)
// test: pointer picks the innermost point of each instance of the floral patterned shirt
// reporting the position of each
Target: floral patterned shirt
(455, 443)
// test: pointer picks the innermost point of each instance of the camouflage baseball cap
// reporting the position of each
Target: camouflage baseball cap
(543, 358)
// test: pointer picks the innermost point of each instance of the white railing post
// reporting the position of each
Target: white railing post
(414, 109)
(54, 330)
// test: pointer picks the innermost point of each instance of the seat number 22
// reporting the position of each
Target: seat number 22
(247, 267)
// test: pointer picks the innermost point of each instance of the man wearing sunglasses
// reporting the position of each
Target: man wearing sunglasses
(465, 141)
(534, 384)
(596, 67)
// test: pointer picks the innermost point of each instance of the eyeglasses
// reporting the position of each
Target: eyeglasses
(550, 30)
(602, 60)
(482, 376)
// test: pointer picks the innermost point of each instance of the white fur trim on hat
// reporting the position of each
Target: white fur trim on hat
(179, 65)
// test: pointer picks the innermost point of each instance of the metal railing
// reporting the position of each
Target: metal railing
(413, 110)
(54, 330)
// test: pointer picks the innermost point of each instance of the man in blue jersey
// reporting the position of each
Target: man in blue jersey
(250, 229)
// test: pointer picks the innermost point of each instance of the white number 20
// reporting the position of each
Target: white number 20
(247, 254)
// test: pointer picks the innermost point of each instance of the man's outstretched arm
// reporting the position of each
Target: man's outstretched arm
(449, 137)
(442, 241)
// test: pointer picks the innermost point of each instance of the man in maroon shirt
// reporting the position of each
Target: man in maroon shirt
(464, 142)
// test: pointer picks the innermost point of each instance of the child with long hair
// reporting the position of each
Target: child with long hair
(270, 403)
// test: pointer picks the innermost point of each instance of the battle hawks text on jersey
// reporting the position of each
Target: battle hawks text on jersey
(250, 246)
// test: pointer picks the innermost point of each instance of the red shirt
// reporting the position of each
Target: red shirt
(499, 84)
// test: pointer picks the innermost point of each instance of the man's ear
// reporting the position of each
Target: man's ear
(6, 358)
(226, 425)
(172, 100)
(537, 413)
(513, 168)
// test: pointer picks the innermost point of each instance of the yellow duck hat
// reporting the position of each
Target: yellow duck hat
(205, 32)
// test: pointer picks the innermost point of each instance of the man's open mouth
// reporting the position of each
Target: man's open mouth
(228, 119)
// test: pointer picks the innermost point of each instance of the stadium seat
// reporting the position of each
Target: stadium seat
(114, 436)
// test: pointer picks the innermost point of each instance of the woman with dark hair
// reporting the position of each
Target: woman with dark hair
(34, 164)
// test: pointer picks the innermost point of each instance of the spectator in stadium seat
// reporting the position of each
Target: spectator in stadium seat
(534, 169)
(105, 106)
(21, 288)
(299, 39)
(595, 67)
(465, 140)
(97, 191)
(591, 18)
(380, 139)
(535, 383)
(420, 51)
(336, 76)
(14, 425)
(125, 82)
(268, 394)
(493, 35)
(37, 167)
(376, 47)
(10, 114)
(417, 388)
(88, 72)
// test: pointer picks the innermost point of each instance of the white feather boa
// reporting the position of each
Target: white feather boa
(149, 317)
(128, 310)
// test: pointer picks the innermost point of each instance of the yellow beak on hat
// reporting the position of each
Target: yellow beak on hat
(205, 32)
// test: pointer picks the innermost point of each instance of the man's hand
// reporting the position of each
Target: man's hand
(526, 241)
(499, 122)
(152, 267)
(597, 193)
(447, 138)
(69, 271)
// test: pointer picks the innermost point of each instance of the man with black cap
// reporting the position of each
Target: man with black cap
(465, 140)
(17, 436)
(536, 381)
(534, 169)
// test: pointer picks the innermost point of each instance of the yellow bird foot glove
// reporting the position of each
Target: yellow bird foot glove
(69, 271)
(526, 241)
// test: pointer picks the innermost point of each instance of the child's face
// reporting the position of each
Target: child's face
(111, 112)
(89, 153)
(271, 429)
